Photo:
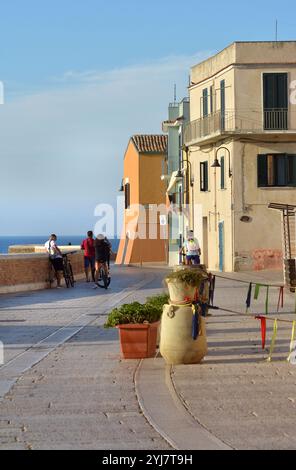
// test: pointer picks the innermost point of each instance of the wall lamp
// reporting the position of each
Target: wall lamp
(216, 163)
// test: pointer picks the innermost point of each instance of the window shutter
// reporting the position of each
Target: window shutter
(201, 173)
(262, 170)
(292, 170)
(281, 170)
(204, 185)
(211, 100)
(205, 102)
(127, 195)
(206, 176)
(222, 173)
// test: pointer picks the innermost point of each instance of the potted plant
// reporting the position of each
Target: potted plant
(184, 283)
(138, 325)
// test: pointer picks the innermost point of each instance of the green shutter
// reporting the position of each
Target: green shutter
(206, 176)
(262, 170)
(201, 174)
(222, 173)
(205, 102)
(291, 170)
(204, 183)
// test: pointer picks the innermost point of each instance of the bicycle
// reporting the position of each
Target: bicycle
(104, 279)
(68, 271)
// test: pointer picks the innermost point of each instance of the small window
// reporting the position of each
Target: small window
(222, 181)
(276, 170)
(204, 178)
(127, 194)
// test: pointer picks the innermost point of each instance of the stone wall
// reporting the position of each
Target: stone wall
(23, 272)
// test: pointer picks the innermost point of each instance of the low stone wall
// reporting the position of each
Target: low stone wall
(32, 271)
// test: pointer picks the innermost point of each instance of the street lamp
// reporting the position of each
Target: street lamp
(216, 163)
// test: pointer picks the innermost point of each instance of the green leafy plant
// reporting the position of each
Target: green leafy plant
(158, 301)
(187, 276)
(133, 313)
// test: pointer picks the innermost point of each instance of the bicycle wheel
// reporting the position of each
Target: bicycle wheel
(104, 280)
(66, 274)
(67, 279)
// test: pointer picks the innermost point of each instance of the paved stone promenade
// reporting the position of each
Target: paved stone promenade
(63, 385)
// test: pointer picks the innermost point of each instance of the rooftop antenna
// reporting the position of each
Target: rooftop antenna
(276, 30)
(175, 93)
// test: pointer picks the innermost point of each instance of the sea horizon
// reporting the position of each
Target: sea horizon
(9, 240)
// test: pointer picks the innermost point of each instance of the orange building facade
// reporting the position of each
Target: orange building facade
(144, 236)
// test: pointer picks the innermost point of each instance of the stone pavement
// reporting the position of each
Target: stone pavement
(235, 394)
(65, 387)
(68, 388)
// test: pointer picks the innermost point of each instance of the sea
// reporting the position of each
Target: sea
(7, 241)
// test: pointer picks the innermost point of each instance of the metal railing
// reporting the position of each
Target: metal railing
(243, 121)
(276, 119)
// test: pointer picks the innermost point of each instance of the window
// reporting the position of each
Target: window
(205, 110)
(204, 178)
(127, 195)
(222, 181)
(275, 101)
(276, 170)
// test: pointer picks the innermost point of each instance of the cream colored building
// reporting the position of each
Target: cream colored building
(243, 112)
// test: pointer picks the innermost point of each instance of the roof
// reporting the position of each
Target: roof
(150, 143)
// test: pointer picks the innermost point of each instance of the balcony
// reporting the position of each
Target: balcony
(245, 122)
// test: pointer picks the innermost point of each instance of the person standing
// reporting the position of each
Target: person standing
(89, 256)
(192, 249)
(56, 257)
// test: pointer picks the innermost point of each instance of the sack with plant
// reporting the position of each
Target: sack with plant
(184, 283)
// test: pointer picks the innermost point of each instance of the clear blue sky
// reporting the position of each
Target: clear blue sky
(82, 76)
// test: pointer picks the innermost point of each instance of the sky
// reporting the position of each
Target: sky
(81, 77)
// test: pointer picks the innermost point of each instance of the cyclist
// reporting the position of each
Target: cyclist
(102, 250)
(192, 249)
(56, 257)
(110, 251)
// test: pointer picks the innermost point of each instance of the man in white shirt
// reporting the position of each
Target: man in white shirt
(56, 257)
(192, 249)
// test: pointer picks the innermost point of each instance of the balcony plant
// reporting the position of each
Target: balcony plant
(138, 325)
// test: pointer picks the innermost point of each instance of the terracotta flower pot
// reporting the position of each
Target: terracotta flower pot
(138, 340)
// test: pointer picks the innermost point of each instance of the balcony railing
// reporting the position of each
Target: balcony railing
(276, 119)
(238, 122)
